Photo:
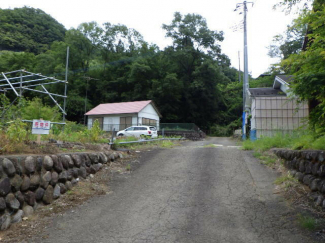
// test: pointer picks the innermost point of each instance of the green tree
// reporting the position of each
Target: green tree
(198, 63)
(192, 31)
(308, 65)
(289, 43)
(10, 61)
(28, 29)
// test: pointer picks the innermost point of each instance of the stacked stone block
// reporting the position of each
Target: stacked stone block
(308, 167)
(29, 181)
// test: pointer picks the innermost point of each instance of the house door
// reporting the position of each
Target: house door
(125, 122)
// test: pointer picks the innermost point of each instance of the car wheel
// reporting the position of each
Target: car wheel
(120, 135)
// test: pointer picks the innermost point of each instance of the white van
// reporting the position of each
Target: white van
(139, 131)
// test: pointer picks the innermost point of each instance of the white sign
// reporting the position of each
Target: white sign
(41, 127)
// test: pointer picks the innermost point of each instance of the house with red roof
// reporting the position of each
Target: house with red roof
(121, 115)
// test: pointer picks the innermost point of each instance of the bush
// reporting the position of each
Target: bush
(319, 143)
(35, 109)
(224, 131)
(79, 133)
(17, 132)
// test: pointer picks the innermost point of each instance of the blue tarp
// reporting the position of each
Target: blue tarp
(252, 135)
(244, 126)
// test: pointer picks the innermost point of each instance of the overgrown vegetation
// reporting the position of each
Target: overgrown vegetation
(16, 135)
(307, 222)
(296, 140)
(78, 133)
(265, 159)
(306, 64)
(286, 180)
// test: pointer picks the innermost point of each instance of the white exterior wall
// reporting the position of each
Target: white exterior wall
(112, 121)
(253, 113)
(148, 112)
(277, 114)
(89, 122)
(134, 121)
(285, 89)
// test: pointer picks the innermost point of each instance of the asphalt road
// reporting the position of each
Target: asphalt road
(186, 194)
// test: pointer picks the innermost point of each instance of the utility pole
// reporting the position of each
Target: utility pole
(239, 75)
(66, 84)
(246, 82)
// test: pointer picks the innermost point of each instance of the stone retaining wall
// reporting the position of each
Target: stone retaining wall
(308, 167)
(28, 181)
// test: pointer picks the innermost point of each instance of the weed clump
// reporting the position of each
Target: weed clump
(307, 222)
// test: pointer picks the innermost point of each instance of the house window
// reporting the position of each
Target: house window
(149, 122)
(145, 121)
(125, 122)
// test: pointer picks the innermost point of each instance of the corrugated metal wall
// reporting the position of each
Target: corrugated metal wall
(271, 115)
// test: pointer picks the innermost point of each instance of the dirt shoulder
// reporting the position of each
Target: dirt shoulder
(298, 196)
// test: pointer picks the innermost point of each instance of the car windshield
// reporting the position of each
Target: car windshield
(153, 129)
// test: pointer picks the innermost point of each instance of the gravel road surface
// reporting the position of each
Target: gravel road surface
(192, 193)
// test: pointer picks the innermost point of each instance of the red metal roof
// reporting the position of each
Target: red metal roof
(119, 108)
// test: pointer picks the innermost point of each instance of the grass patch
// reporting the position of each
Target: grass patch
(307, 222)
(286, 182)
(297, 140)
(266, 159)
(257, 154)
(126, 139)
(209, 146)
(270, 161)
(284, 179)
(167, 144)
(248, 145)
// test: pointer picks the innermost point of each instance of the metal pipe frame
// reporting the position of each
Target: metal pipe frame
(44, 76)
(34, 85)
(16, 77)
(29, 81)
(12, 87)
(22, 82)
(54, 100)
(15, 71)
(39, 91)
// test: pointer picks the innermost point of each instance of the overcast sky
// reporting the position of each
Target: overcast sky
(147, 17)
